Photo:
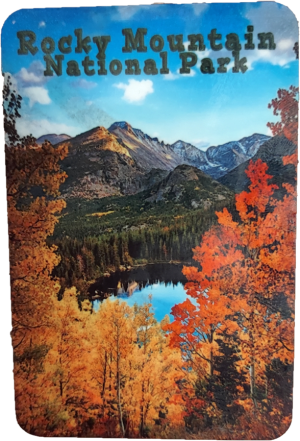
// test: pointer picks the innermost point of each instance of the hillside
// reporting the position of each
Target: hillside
(98, 165)
(270, 152)
(184, 191)
(148, 152)
(191, 187)
(52, 138)
(226, 157)
(123, 160)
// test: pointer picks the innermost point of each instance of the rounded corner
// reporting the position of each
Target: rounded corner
(9, 22)
(288, 7)
(22, 428)
(286, 429)
(11, 14)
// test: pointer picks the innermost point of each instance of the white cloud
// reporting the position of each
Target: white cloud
(32, 75)
(42, 24)
(191, 74)
(198, 9)
(43, 127)
(36, 95)
(126, 12)
(170, 76)
(278, 19)
(201, 144)
(135, 91)
(281, 56)
(29, 77)
(285, 44)
(119, 13)
(30, 81)
(123, 13)
(84, 84)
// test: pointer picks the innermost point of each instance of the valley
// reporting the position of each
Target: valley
(123, 160)
(133, 200)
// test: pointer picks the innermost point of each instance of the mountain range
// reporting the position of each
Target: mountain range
(124, 160)
(271, 152)
(191, 187)
(52, 138)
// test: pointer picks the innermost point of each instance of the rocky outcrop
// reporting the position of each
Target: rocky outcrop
(271, 152)
(123, 160)
(226, 157)
(98, 165)
(148, 152)
(189, 185)
(52, 138)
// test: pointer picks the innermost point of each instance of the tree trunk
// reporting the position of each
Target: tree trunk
(142, 422)
(252, 366)
(104, 384)
(119, 391)
(211, 363)
(142, 413)
(61, 387)
(252, 382)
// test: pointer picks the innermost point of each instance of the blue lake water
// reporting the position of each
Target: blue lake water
(165, 283)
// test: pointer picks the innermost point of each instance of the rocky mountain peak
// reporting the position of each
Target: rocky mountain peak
(191, 185)
(271, 152)
(124, 125)
(53, 138)
(184, 173)
(121, 160)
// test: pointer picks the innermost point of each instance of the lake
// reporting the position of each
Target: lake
(164, 281)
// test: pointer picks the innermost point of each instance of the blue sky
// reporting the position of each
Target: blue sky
(201, 109)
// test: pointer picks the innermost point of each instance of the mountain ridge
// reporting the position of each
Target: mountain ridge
(232, 153)
(53, 138)
(271, 152)
(191, 186)
(123, 160)
(152, 153)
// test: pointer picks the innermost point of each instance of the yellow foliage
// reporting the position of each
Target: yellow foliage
(105, 213)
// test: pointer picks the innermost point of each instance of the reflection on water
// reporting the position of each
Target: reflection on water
(165, 282)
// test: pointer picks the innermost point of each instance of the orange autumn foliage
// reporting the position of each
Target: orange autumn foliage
(54, 391)
(246, 275)
(133, 370)
(30, 221)
(33, 179)
(286, 106)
